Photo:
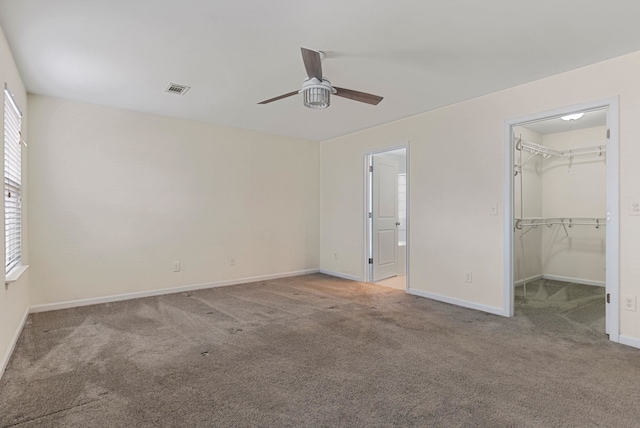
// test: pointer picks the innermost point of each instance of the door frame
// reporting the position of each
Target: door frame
(367, 200)
(612, 202)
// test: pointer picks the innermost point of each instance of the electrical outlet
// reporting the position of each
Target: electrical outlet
(232, 261)
(629, 303)
(176, 266)
(634, 208)
(335, 256)
(468, 276)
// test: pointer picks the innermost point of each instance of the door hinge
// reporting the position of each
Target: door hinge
(370, 261)
(370, 215)
(608, 134)
(608, 298)
(370, 168)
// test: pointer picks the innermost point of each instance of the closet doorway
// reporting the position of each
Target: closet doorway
(562, 214)
(386, 217)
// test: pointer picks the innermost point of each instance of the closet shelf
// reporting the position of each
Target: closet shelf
(546, 152)
(534, 222)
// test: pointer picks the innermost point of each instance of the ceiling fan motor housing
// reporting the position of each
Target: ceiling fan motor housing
(317, 93)
(317, 90)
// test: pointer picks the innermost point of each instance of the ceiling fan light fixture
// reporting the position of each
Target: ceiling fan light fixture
(316, 97)
(316, 94)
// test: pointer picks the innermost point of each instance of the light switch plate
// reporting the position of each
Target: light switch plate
(494, 209)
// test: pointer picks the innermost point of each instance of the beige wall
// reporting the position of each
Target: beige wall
(14, 298)
(117, 196)
(457, 173)
(575, 188)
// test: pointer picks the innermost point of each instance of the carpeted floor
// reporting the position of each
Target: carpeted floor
(313, 351)
(557, 307)
(399, 282)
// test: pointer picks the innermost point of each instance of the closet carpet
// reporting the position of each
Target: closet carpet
(558, 306)
(313, 351)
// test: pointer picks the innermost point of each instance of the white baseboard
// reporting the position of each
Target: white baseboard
(181, 289)
(629, 341)
(530, 279)
(457, 302)
(576, 280)
(341, 275)
(12, 343)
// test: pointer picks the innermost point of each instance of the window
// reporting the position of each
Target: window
(12, 182)
(402, 209)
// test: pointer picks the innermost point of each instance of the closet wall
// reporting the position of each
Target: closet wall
(561, 187)
(531, 176)
(575, 188)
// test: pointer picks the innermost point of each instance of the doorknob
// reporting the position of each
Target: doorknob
(397, 223)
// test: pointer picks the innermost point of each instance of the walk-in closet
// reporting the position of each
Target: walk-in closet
(560, 221)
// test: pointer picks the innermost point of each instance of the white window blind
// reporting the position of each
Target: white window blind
(12, 182)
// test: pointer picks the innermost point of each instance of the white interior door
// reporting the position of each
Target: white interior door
(385, 217)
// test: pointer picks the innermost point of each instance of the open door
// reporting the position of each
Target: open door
(385, 217)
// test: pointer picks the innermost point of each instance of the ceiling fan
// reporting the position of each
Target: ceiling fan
(316, 90)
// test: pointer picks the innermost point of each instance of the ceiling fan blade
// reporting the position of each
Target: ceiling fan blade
(312, 62)
(363, 97)
(279, 97)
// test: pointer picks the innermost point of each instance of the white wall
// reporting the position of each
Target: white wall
(575, 188)
(14, 299)
(531, 180)
(117, 196)
(457, 173)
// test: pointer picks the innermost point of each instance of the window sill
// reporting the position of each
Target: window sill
(15, 274)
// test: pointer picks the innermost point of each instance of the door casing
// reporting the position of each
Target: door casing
(613, 206)
(367, 277)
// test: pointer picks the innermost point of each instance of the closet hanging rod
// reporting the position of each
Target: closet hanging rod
(565, 221)
(546, 152)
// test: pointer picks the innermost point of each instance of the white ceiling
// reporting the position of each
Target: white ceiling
(419, 55)
(554, 125)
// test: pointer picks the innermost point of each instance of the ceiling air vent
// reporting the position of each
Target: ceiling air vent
(175, 88)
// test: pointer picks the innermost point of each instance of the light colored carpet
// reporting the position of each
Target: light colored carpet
(398, 282)
(312, 351)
